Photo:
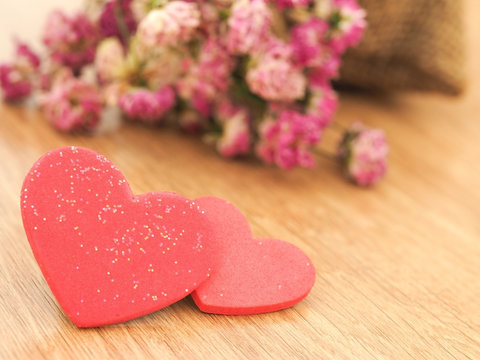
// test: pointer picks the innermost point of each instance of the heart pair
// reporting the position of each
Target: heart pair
(110, 256)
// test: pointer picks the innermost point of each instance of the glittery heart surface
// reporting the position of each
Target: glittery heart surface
(253, 275)
(107, 255)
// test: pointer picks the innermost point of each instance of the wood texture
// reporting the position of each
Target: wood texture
(398, 265)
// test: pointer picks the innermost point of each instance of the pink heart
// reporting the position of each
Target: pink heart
(252, 275)
(107, 255)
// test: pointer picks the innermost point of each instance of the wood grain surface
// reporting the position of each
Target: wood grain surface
(398, 266)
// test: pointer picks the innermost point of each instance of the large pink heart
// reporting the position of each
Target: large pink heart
(253, 275)
(107, 255)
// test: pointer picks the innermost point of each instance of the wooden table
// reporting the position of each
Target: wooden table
(398, 265)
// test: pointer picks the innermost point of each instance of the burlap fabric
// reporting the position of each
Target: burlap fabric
(409, 45)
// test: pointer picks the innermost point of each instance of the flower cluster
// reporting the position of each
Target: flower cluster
(17, 78)
(252, 76)
(72, 103)
(70, 40)
(363, 152)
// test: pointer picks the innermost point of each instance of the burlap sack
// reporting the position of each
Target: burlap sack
(409, 45)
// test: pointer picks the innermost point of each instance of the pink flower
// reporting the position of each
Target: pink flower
(16, 78)
(248, 26)
(286, 142)
(322, 103)
(73, 105)
(308, 42)
(207, 78)
(214, 65)
(108, 22)
(14, 84)
(175, 22)
(324, 72)
(210, 18)
(109, 60)
(363, 154)
(202, 98)
(235, 123)
(26, 58)
(277, 49)
(70, 40)
(276, 79)
(147, 106)
(350, 25)
(153, 68)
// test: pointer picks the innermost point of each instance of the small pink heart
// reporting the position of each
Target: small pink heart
(253, 275)
(107, 255)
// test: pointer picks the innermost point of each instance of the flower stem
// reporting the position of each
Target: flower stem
(120, 20)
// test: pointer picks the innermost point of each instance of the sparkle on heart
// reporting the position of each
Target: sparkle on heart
(107, 255)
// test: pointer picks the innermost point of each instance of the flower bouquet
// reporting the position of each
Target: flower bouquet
(249, 76)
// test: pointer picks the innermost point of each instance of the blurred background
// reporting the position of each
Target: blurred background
(26, 18)
(408, 45)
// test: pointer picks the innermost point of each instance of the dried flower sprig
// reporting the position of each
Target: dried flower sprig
(363, 154)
